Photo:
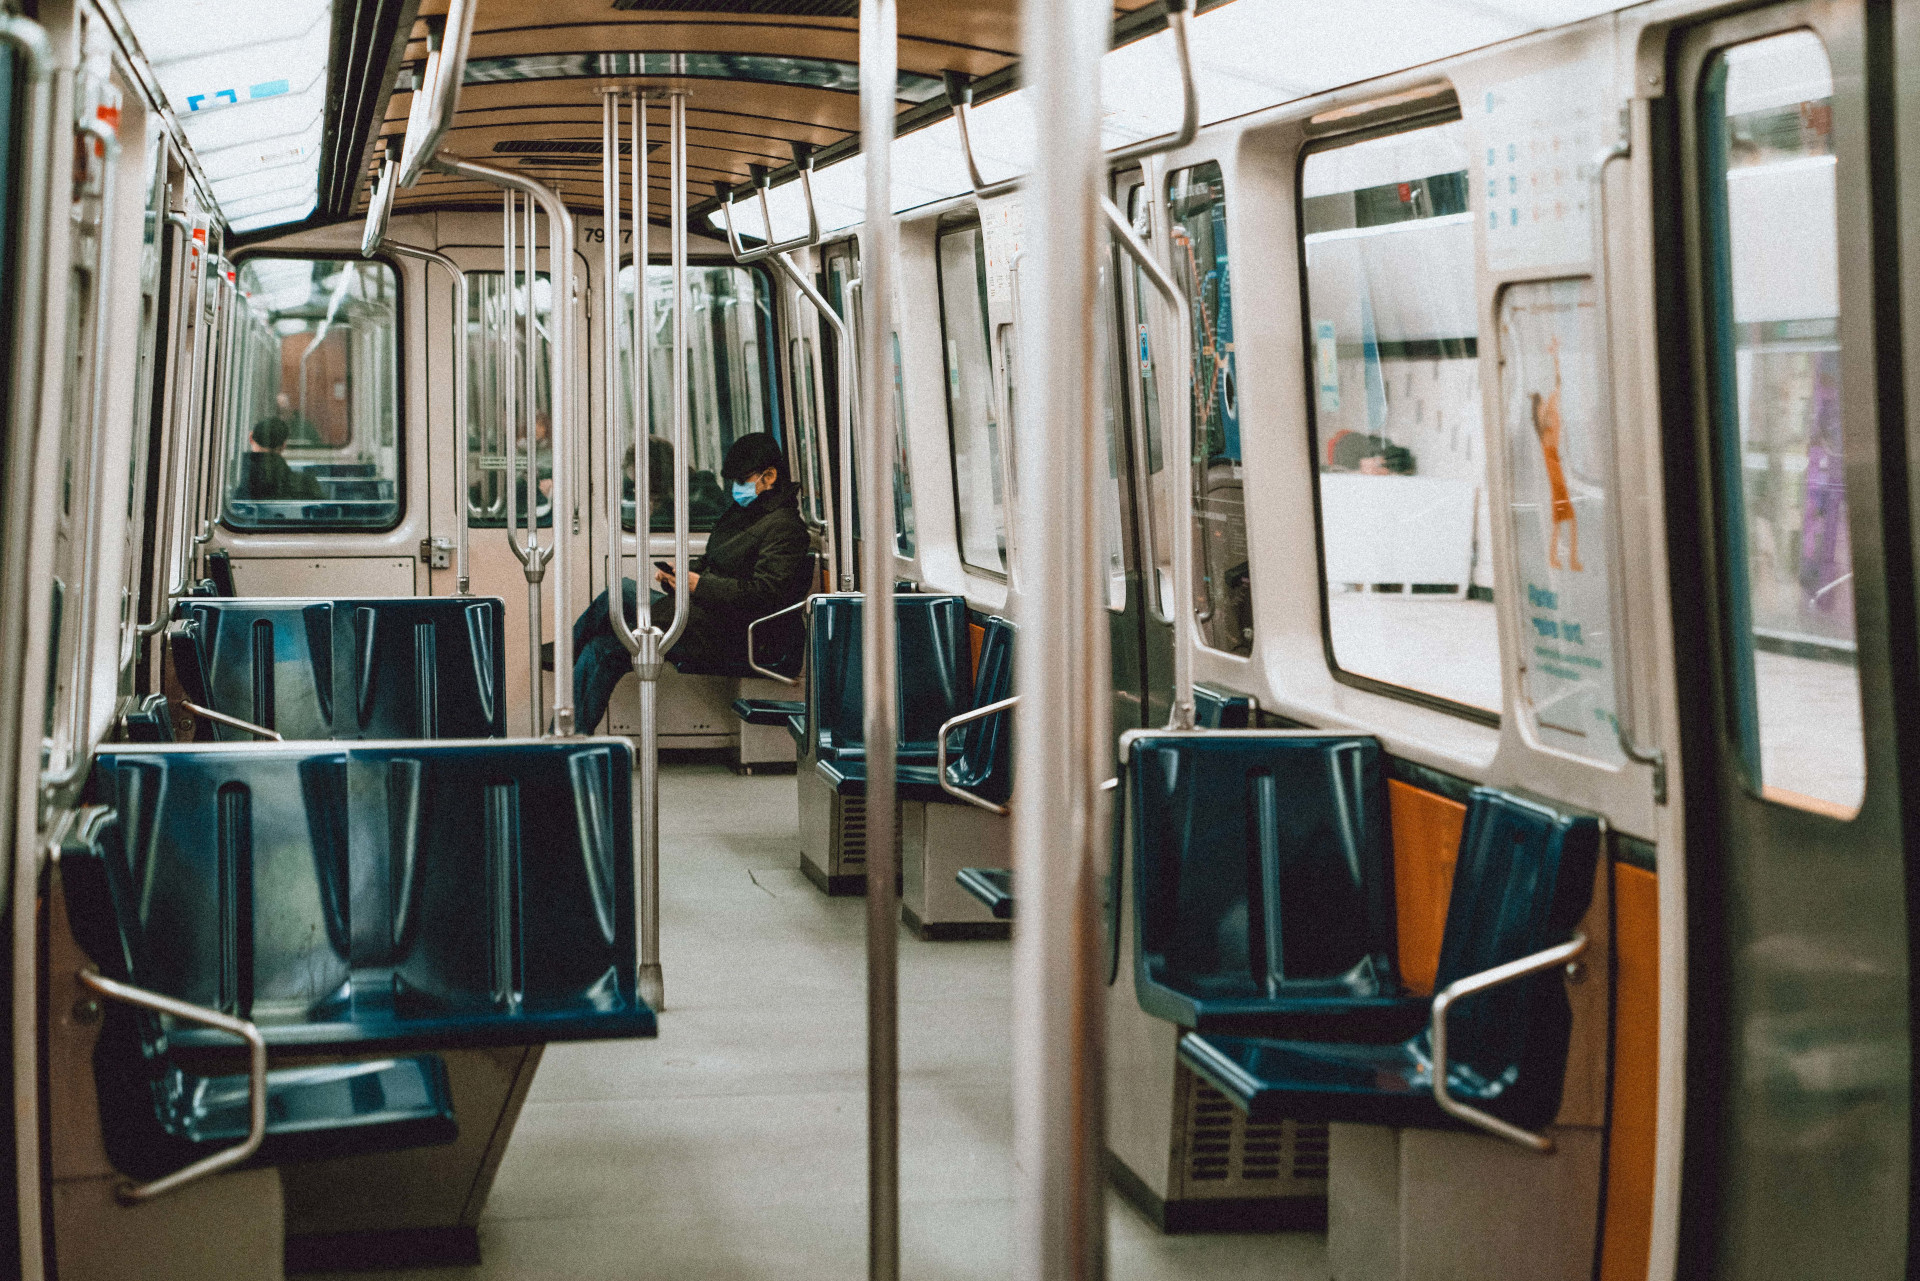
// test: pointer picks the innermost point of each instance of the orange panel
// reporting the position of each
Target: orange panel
(1426, 843)
(976, 637)
(1627, 1239)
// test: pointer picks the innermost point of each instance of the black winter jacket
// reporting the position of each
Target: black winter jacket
(758, 561)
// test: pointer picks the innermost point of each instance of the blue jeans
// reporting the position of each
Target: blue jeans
(599, 659)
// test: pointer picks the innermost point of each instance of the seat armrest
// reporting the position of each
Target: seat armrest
(1499, 975)
(767, 672)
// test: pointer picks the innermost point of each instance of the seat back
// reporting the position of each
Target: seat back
(933, 672)
(1262, 872)
(406, 895)
(984, 761)
(1523, 881)
(399, 667)
(1216, 708)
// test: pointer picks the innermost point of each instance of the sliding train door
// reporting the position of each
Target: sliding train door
(1793, 583)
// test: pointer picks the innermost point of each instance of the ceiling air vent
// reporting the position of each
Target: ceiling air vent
(560, 147)
(771, 8)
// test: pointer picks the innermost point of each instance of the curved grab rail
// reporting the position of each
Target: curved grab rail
(560, 356)
(1481, 982)
(762, 180)
(960, 98)
(131, 1193)
(778, 613)
(940, 753)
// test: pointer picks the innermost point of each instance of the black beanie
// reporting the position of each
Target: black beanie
(752, 454)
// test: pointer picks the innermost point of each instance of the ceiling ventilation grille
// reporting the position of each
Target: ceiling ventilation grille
(771, 8)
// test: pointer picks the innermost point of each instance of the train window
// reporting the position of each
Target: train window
(314, 390)
(490, 308)
(1773, 337)
(1392, 342)
(1224, 574)
(733, 389)
(973, 402)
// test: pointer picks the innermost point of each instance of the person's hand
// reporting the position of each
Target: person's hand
(661, 578)
(693, 582)
(546, 487)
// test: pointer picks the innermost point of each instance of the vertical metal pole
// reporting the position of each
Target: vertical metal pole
(647, 660)
(642, 643)
(462, 432)
(1063, 737)
(879, 60)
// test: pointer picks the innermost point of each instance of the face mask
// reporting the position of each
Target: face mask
(744, 492)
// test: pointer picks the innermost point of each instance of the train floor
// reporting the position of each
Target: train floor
(734, 1147)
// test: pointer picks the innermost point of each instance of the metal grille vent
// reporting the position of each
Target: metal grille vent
(853, 833)
(555, 147)
(1228, 1158)
(777, 8)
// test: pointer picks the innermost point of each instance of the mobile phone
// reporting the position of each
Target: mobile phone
(665, 567)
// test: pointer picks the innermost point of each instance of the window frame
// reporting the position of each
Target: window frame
(948, 228)
(1428, 116)
(401, 424)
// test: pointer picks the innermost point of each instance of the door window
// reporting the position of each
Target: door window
(497, 368)
(1773, 342)
(973, 401)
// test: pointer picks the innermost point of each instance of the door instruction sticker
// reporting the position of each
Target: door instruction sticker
(1539, 139)
(1557, 437)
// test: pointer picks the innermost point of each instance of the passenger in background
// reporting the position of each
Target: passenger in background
(266, 474)
(758, 562)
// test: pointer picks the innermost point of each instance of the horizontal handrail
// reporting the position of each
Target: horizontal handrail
(131, 1193)
(221, 718)
(1481, 982)
(940, 753)
(768, 672)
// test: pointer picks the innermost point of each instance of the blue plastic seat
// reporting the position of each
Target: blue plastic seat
(395, 897)
(1523, 881)
(983, 761)
(768, 711)
(151, 721)
(158, 1116)
(934, 674)
(1217, 708)
(399, 667)
(1263, 883)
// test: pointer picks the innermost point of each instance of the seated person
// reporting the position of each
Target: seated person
(266, 474)
(757, 562)
(1371, 455)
